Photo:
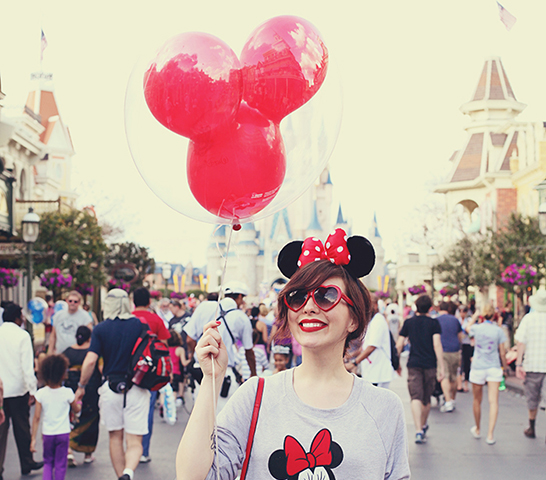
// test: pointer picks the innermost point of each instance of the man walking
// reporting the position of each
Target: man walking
(19, 385)
(451, 337)
(531, 360)
(423, 333)
(235, 325)
(123, 414)
(141, 299)
(66, 322)
(375, 358)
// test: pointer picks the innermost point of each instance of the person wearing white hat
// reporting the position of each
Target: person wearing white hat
(531, 360)
(234, 326)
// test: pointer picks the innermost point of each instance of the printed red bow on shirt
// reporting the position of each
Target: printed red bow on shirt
(320, 455)
(334, 250)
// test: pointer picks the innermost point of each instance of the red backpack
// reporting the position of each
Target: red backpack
(151, 365)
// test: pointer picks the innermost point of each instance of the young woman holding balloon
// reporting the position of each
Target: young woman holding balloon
(313, 421)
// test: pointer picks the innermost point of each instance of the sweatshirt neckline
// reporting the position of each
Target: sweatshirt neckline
(322, 413)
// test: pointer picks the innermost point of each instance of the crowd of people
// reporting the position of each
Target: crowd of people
(320, 370)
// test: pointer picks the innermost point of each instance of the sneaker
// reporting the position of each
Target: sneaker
(425, 430)
(447, 407)
(89, 459)
(145, 459)
(490, 441)
(529, 432)
(420, 438)
(178, 402)
(125, 476)
(474, 432)
(71, 462)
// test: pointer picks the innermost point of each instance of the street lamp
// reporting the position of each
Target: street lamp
(31, 229)
(541, 188)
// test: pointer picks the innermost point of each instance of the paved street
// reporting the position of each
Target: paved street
(450, 454)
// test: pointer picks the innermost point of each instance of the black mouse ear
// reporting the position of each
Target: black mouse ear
(287, 261)
(362, 256)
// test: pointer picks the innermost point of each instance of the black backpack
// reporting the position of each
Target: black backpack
(395, 359)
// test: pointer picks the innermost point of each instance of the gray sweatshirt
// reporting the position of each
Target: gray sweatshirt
(365, 438)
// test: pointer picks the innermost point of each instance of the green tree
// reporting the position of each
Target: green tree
(133, 254)
(71, 241)
(457, 267)
(519, 242)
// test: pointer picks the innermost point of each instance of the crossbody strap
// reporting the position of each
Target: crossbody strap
(223, 315)
(255, 412)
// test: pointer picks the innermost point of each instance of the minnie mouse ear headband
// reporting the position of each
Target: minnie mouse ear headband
(356, 254)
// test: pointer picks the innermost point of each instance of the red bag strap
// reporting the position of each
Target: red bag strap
(255, 412)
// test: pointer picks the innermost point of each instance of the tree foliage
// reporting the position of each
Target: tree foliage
(479, 260)
(129, 252)
(71, 241)
(519, 242)
(457, 266)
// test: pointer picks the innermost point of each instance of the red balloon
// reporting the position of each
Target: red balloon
(236, 171)
(193, 84)
(284, 64)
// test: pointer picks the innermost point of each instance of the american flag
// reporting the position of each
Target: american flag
(43, 46)
(506, 17)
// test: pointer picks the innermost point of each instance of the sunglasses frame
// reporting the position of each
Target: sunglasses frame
(340, 296)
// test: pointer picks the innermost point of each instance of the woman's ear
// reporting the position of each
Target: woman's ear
(352, 326)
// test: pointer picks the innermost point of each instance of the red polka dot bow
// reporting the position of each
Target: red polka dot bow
(335, 249)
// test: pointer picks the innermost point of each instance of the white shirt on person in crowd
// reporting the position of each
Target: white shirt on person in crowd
(377, 368)
(55, 409)
(16, 361)
(532, 332)
(238, 322)
(66, 325)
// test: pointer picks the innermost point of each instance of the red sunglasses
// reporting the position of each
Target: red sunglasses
(325, 297)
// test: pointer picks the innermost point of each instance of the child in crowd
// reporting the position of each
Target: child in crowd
(53, 404)
(179, 358)
(281, 356)
(259, 354)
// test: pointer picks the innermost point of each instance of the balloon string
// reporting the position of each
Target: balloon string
(214, 406)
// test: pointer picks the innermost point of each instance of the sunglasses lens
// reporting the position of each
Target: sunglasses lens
(326, 297)
(296, 299)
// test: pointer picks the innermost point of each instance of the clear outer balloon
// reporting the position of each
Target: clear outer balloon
(284, 64)
(309, 134)
(193, 84)
(235, 172)
(37, 308)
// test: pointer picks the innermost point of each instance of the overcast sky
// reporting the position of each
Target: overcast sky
(405, 68)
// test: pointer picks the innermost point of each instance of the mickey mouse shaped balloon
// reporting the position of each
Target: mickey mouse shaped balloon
(231, 109)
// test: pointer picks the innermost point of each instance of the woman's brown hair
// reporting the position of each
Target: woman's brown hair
(312, 276)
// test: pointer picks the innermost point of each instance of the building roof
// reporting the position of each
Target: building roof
(340, 220)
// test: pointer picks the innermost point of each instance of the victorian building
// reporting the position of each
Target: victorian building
(502, 161)
(35, 166)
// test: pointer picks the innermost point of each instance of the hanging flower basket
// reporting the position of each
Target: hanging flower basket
(117, 283)
(155, 294)
(448, 290)
(519, 275)
(177, 296)
(381, 294)
(84, 289)
(8, 277)
(417, 289)
(54, 279)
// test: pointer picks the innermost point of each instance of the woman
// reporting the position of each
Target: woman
(316, 420)
(486, 367)
(85, 434)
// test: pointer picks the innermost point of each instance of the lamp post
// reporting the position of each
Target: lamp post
(31, 229)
